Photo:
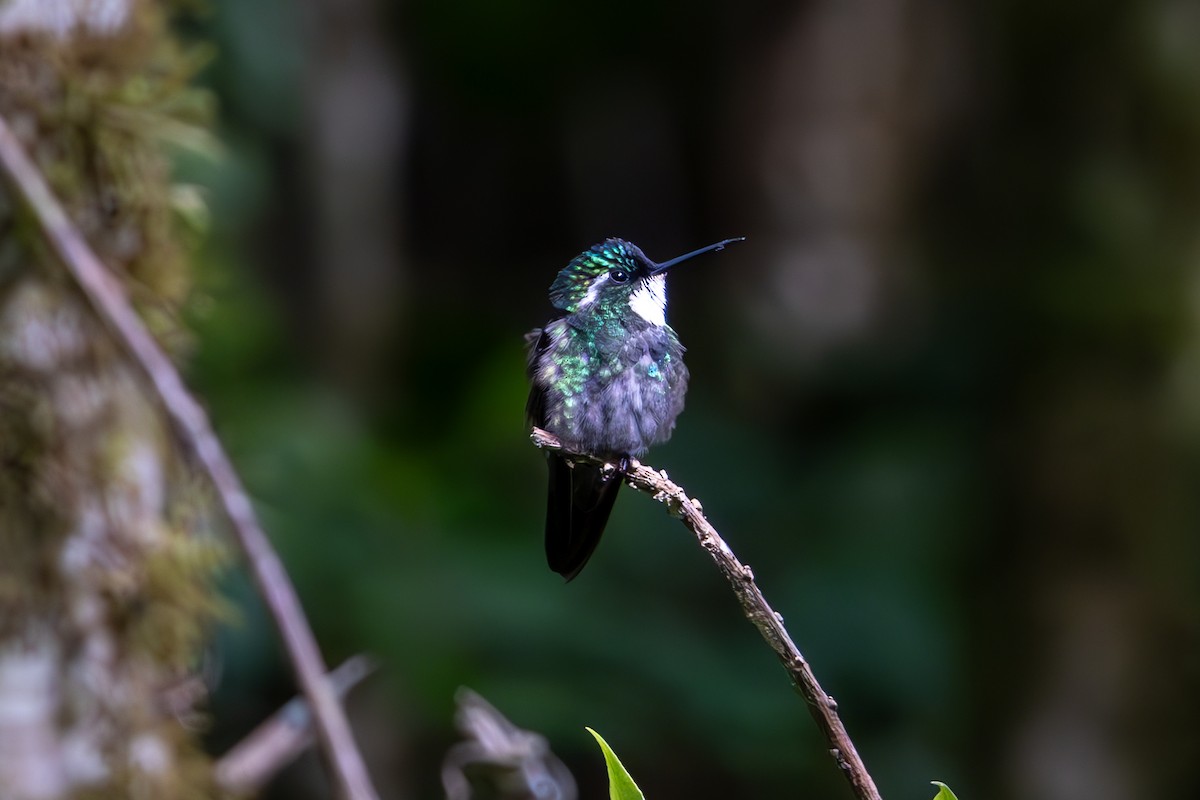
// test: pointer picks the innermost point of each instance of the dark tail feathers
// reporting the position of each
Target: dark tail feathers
(577, 508)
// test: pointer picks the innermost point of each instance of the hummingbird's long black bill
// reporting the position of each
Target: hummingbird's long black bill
(666, 265)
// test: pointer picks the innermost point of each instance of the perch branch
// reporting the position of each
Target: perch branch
(770, 624)
(107, 296)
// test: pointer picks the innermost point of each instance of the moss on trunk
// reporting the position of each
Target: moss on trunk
(106, 571)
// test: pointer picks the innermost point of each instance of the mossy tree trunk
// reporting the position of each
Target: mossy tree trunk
(105, 574)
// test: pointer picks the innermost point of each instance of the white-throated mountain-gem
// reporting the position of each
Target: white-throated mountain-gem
(607, 379)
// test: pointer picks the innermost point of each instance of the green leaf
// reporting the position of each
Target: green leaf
(620, 785)
(944, 792)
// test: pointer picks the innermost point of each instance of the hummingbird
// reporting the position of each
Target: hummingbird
(608, 379)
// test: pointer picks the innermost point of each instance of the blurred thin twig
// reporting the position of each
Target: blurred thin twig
(770, 624)
(282, 737)
(107, 296)
(504, 761)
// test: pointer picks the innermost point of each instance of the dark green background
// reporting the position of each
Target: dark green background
(974, 502)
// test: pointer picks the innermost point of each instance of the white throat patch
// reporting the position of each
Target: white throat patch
(649, 300)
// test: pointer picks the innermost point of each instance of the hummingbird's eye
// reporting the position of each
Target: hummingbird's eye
(619, 276)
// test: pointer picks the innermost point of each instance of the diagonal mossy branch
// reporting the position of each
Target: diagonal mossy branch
(107, 296)
(823, 708)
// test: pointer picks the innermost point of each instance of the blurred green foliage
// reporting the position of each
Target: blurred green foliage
(915, 500)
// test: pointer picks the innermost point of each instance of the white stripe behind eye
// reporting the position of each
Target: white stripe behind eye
(593, 290)
(649, 300)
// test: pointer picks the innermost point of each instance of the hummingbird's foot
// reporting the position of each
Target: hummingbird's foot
(621, 467)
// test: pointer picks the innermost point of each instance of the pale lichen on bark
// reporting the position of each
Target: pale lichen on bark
(105, 576)
(63, 18)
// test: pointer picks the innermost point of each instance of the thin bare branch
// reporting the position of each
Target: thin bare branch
(107, 296)
(281, 738)
(823, 708)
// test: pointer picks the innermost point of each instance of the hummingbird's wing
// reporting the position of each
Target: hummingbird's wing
(536, 342)
(580, 498)
(579, 502)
